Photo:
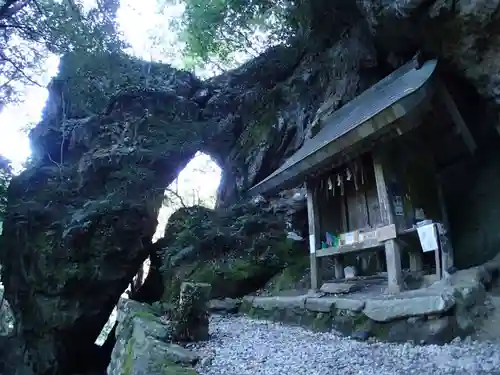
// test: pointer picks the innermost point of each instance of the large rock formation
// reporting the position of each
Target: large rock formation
(116, 131)
(236, 251)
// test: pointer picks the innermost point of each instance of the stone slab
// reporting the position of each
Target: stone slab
(355, 305)
(270, 303)
(327, 304)
(339, 288)
(226, 305)
(386, 310)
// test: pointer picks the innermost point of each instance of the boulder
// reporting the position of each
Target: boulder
(236, 250)
(190, 318)
(143, 345)
(387, 309)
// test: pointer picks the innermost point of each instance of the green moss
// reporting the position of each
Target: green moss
(380, 330)
(322, 322)
(289, 277)
(246, 306)
(129, 359)
(146, 315)
(171, 368)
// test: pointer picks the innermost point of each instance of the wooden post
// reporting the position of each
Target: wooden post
(392, 250)
(416, 262)
(314, 234)
(447, 256)
(437, 254)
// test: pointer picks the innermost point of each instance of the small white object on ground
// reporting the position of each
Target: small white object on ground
(243, 346)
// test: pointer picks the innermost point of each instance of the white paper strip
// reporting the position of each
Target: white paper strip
(312, 244)
(427, 237)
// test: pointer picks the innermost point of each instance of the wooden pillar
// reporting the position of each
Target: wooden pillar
(392, 249)
(447, 256)
(416, 261)
(314, 234)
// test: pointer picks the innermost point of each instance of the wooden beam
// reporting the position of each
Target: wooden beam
(392, 250)
(447, 255)
(351, 248)
(314, 234)
(457, 118)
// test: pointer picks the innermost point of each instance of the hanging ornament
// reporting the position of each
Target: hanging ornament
(348, 174)
(356, 175)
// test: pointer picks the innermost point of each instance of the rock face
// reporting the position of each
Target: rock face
(143, 345)
(83, 213)
(116, 131)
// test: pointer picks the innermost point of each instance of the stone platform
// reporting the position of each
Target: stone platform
(436, 314)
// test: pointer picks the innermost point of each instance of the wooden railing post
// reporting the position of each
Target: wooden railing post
(314, 234)
(392, 249)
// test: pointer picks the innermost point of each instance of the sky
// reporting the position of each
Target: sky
(139, 23)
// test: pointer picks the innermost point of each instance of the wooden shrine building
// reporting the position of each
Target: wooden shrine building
(371, 173)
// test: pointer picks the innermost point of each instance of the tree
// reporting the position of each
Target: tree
(31, 30)
(224, 33)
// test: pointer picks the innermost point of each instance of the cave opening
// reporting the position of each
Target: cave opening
(196, 184)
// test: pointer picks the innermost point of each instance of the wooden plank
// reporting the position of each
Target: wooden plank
(387, 232)
(314, 234)
(457, 118)
(351, 248)
(375, 239)
(386, 213)
(392, 250)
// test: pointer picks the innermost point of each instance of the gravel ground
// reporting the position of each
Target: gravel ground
(243, 346)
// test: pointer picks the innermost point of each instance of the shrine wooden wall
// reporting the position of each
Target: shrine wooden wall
(348, 198)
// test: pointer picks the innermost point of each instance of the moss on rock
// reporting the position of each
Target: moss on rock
(236, 250)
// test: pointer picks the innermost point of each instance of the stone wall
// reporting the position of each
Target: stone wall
(437, 314)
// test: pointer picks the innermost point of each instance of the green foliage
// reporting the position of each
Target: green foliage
(225, 30)
(31, 30)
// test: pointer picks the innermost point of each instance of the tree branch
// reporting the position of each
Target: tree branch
(19, 70)
(10, 8)
(177, 195)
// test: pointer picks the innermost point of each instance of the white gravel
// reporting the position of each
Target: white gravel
(243, 346)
